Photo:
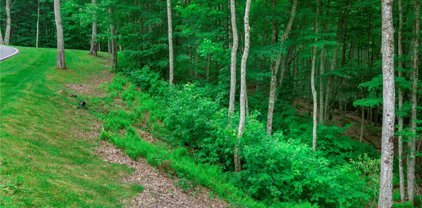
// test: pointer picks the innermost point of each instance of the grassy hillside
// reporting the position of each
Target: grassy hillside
(45, 159)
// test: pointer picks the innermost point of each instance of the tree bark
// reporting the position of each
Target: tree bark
(387, 144)
(314, 93)
(113, 43)
(321, 87)
(233, 57)
(61, 63)
(207, 71)
(412, 143)
(1, 38)
(243, 97)
(8, 23)
(93, 49)
(274, 70)
(400, 104)
(38, 25)
(362, 123)
(170, 37)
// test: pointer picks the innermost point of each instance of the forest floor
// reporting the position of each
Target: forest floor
(50, 152)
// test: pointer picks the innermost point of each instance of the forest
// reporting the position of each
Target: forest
(247, 103)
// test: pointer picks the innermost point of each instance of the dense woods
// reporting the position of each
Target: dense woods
(301, 102)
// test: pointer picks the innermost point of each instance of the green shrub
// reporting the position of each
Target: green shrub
(146, 79)
(276, 170)
(188, 116)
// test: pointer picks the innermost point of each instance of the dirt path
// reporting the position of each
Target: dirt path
(159, 190)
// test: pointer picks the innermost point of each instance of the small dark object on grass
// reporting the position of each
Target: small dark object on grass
(73, 95)
(82, 104)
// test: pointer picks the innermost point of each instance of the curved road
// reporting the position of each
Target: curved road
(6, 52)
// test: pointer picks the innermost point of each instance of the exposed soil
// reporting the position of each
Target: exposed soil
(159, 191)
(93, 88)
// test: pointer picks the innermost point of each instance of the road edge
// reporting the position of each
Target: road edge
(14, 53)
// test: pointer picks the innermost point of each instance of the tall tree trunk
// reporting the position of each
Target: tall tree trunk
(38, 25)
(400, 105)
(1, 38)
(274, 70)
(8, 23)
(314, 93)
(362, 123)
(113, 43)
(387, 140)
(412, 143)
(61, 63)
(170, 37)
(207, 71)
(243, 89)
(321, 87)
(93, 49)
(233, 57)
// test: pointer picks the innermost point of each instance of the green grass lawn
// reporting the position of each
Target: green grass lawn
(43, 162)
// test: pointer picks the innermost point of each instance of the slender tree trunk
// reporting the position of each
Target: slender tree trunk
(362, 123)
(400, 105)
(387, 140)
(274, 70)
(93, 49)
(170, 37)
(243, 97)
(321, 87)
(207, 71)
(113, 43)
(61, 63)
(109, 46)
(412, 143)
(314, 93)
(233, 57)
(8, 23)
(38, 25)
(1, 38)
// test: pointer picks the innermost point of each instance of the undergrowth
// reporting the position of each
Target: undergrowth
(121, 121)
(197, 145)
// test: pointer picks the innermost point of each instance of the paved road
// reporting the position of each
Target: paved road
(6, 52)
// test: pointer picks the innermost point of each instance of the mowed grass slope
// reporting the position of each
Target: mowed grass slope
(43, 163)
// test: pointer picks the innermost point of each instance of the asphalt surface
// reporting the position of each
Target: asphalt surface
(6, 52)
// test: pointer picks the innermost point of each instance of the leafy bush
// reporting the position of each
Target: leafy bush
(278, 169)
(188, 116)
(146, 79)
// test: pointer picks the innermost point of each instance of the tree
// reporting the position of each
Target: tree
(314, 93)
(233, 56)
(387, 137)
(170, 37)
(413, 122)
(8, 23)
(61, 64)
(1, 37)
(400, 102)
(38, 25)
(243, 89)
(275, 67)
(93, 49)
(113, 42)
